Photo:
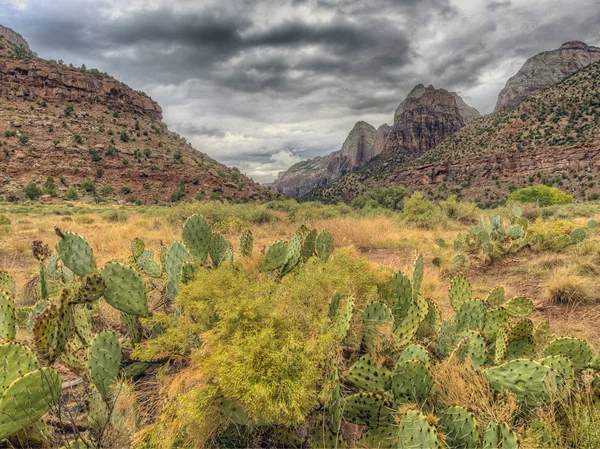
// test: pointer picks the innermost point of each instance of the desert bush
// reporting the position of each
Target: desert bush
(462, 212)
(386, 197)
(541, 195)
(71, 194)
(423, 213)
(32, 191)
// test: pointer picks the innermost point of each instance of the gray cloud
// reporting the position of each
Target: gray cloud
(261, 85)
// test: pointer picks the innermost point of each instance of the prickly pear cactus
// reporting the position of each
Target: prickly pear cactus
(527, 379)
(491, 437)
(417, 278)
(501, 345)
(7, 283)
(308, 245)
(275, 256)
(76, 254)
(148, 265)
(378, 323)
(402, 289)
(414, 430)
(324, 245)
(471, 346)
(27, 399)
(541, 335)
(15, 360)
(219, 250)
(411, 382)
(494, 319)
(563, 368)
(197, 237)
(368, 409)
(132, 326)
(175, 257)
(460, 428)
(342, 317)
(519, 307)
(8, 327)
(137, 247)
(92, 288)
(459, 292)
(367, 375)
(470, 316)
(430, 326)
(447, 339)
(104, 361)
(577, 350)
(246, 243)
(508, 437)
(578, 235)
(406, 330)
(415, 352)
(51, 330)
(294, 254)
(125, 289)
(495, 297)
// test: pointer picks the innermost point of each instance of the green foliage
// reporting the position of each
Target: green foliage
(421, 212)
(385, 197)
(32, 191)
(541, 195)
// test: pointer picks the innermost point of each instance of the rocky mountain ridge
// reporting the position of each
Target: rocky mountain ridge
(552, 137)
(425, 118)
(93, 135)
(544, 70)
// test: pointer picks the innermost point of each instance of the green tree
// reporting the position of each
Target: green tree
(541, 195)
(386, 197)
(32, 191)
(50, 186)
(72, 194)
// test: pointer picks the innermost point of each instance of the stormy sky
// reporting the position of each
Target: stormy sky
(262, 84)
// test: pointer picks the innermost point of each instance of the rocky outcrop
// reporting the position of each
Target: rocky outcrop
(36, 79)
(13, 37)
(302, 177)
(425, 118)
(545, 70)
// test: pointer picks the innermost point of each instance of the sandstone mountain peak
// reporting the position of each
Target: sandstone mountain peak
(544, 70)
(422, 120)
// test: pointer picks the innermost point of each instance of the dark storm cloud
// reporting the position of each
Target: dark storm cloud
(264, 84)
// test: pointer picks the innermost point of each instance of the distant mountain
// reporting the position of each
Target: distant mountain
(552, 137)
(425, 118)
(545, 70)
(81, 126)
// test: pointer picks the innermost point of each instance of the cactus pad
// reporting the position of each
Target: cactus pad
(491, 437)
(471, 346)
(519, 307)
(148, 265)
(415, 352)
(137, 247)
(8, 327)
(125, 289)
(7, 283)
(342, 317)
(417, 278)
(414, 430)
(175, 257)
(459, 292)
(446, 339)
(219, 250)
(495, 297)
(367, 375)
(15, 360)
(470, 316)
(378, 322)
(92, 288)
(527, 379)
(411, 382)
(76, 254)
(460, 428)
(104, 361)
(246, 243)
(27, 399)
(577, 350)
(324, 245)
(367, 409)
(402, 289)
(309, 244)
(501, 346)
(197, 237)
(294, 254)
(494, 319)
(275, 256)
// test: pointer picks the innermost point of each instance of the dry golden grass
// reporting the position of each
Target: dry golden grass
(566, 287)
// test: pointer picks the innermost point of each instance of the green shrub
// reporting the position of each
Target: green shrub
(32, 191)
(72, 194)
(386, 197)
(4, 220)
(88, 186)
(420, 211)
(541, 195)
(50, 186)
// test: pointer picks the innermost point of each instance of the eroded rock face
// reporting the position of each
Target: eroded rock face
(36, 79)
(13, 37)
(545, 70)
(302, 177)
(425, 118)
